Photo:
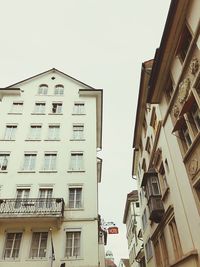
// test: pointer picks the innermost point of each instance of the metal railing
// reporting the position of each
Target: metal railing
(32, 207)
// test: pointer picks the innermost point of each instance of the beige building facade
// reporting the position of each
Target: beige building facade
(166, 142)
(50, 130)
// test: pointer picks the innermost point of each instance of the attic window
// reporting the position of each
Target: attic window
(53, 78)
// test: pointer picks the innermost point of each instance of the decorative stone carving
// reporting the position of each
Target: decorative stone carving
(193, 166)
(184, 87)
(194, 66)
(176, 111)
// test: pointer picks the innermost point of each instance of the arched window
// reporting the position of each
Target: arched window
(43, 89)
(59, 89)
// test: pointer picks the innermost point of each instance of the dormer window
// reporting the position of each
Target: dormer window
(59, 89)
(43, 89)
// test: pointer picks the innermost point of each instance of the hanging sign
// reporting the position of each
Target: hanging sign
(113, 230)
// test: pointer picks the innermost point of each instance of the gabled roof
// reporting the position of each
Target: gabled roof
(53, 70)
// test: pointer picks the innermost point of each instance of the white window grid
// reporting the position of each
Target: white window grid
(76, 161)
(75, 197)
(10, 132)
(4, 161)
(50, 161)
(39, 245)
(79, 108)
(54, 131)
(29, 161)
(59, 89)
(35, 132)
(12, 245)
(73, 244)
(39, 107)
(57, 108)
(43, 89)
(17, 107)
(78, 132)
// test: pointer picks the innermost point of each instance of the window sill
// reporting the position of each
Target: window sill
(15, 113)
(35, 113)
(32, 139)
(2, 171)
(48, 171)
(26, 171)
(71, 259)
(78, 113)
(12, 260)
(185, 257)
(74, 209)
(55, 113)
(77, 139)
(76, 171)
(51, 139)
(37, 259)
(8, 140)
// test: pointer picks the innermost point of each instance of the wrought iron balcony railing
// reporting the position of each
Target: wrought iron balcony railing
(32, 207)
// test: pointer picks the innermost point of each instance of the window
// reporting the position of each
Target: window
(12, 245)
(163, 178)
(59, 89)
(29, 161)
(144, 124)
(50, 161)
(148, 249)
(78, 132)
(54, 131)
(144, 167)
(21, 194)
(35, 132)
(17, 107)
(73, 239)
(184, 43)
(4, 161)
(79, 108)
(39, 107)
(137, 204)
(144, 219)
(39, 245)
(76, 163)
(175, 239)
(45, 197)
(186, 135)
(155, 186)
(10, 132)
(75, 198)
(195, 112)
(164, 251)
(158, 254)
(57, 108)
(169, 89)
(43, 89)
(148, 145)
(154, 121)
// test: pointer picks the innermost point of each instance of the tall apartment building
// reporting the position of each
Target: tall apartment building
(50, 130)
(167, 142)
(133, 227)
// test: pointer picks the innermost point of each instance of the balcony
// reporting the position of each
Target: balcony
(31, 208)
(156, 208)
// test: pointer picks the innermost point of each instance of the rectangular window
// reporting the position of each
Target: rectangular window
(35, 132)
(50, 161)
(17, 107)
(73, 241)
(163, 178)
(12, 245)
(155, 186)
(163, 245)
(57, 108)
(75, 198)
(21, 194)
(195, 112)
(39, 245)
(184, 43)
(78, 132)
(29, 161)
(158, 254)
(53, 133)
(76, 163)
(148, 249)
(175, 239)
(144, 219)
(39, 107)
(79, 108)
(4, 161)
(45, 197)
(186, 135)
(10, 132)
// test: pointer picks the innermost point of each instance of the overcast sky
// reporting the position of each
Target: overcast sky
(102, 43)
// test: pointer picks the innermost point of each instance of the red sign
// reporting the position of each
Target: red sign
(113, 230)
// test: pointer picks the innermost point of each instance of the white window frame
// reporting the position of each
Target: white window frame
(31, 163)
(4, 158)
(39, 107)
(55, 133)
(43, 89)
(37, 134)
(52, 161)
(39, 245)
(72, 254)
(78, 132)
(12, 246)
(10, 134)
(56, 108)
(59, 89)
(73, 203)
(79, 108)
(76, 162)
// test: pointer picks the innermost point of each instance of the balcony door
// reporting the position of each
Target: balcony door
(45, 197)
(21, 197)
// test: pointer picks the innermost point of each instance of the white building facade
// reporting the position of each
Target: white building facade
(50, 130)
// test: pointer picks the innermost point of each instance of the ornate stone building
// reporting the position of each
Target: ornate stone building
(167, 142)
